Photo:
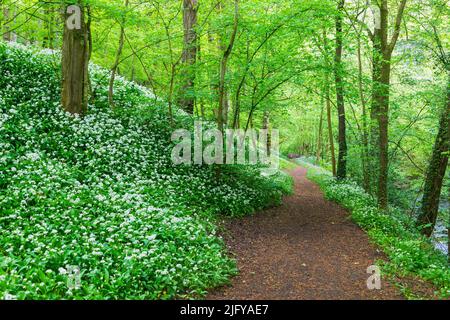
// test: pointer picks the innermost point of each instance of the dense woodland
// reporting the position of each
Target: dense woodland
(360, 88)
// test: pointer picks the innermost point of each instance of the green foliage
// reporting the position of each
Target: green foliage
(394, 232)
(101, 193)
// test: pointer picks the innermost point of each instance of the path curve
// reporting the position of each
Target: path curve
(307, 248)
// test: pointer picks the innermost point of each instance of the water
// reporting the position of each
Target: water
(440, 237)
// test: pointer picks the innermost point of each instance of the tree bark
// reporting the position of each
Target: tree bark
(266, 125)
(338, 70)
(436, 172)
(5, 31)
(365, 139)
(319, 135)
(48, 41)
(74, 65)
(382, 53)
(187, 99)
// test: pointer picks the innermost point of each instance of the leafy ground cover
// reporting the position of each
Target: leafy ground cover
(101, 195)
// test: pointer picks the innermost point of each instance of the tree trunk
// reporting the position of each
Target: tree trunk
(330, 130)
(187, 99)
(365, 139)
(338, 70)
(117, 60)
(6, 28)
(226, 106)
(223, 69)
(382, 52)
(48, 41)
(266, 125)
(436, 172)
(74, 64)
(319, 135)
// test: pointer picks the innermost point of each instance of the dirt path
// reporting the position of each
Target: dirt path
(307, 248)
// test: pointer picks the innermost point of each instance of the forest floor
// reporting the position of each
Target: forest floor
(307, 248)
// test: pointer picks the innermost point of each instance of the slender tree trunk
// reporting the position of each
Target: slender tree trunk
(223, 69)
(383, 123)
(266, 126)
(171, 88)
(90, 93)
(74, 63)
(226, 106)
(6, 28)
(330, 129)
(436, 172)
(319, 136)
(187, 99)
(49, 36)
(133, 69)
(365, 139)
(380, 95)
(338, 70)
(117, 59)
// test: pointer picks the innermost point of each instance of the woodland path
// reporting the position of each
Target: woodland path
(307, 248)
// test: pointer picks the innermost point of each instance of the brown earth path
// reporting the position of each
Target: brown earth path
(307, 248)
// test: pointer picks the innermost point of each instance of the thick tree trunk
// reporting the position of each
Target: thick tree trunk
(338, 70)
(75, 59)
(187, 98)
(436, 172)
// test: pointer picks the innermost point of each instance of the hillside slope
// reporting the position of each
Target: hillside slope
(93, 207)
